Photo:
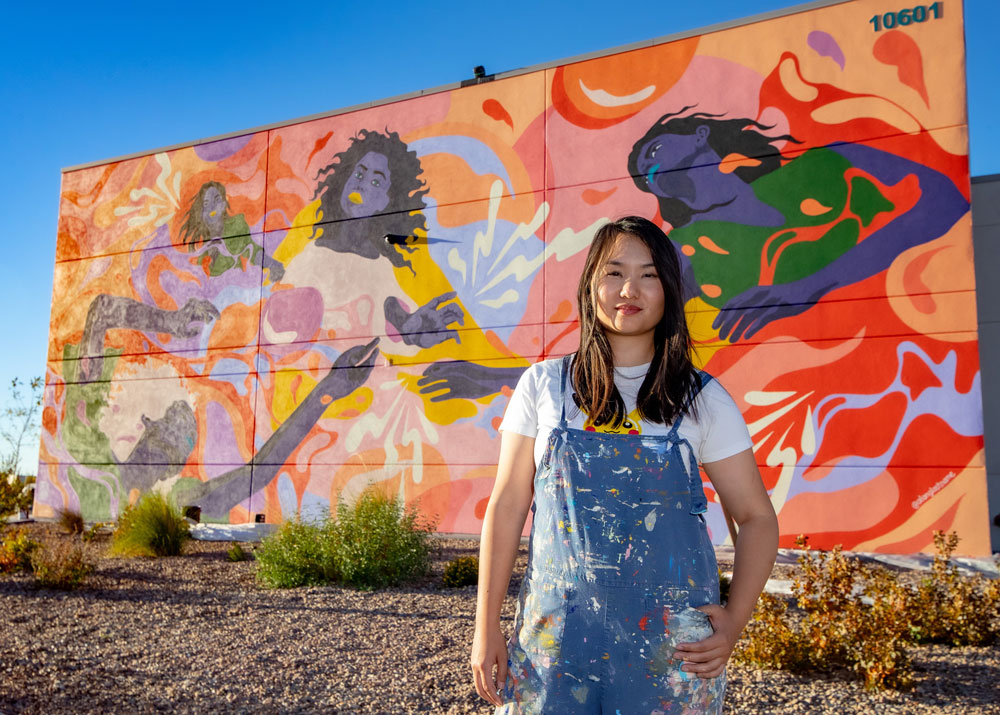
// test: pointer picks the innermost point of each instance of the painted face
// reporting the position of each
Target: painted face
(628, 291)
(367, 189)
(213, 210)
(682, 170)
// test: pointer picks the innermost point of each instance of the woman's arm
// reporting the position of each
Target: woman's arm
(739, 484)
(502, 527)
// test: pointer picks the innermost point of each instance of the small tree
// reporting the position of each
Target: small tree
(19, 422)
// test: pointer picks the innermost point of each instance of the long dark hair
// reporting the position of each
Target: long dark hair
(726, 136)
(194, 231)
(671, 382)
(406, 191)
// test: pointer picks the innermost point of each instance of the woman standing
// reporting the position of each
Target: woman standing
(618, 612)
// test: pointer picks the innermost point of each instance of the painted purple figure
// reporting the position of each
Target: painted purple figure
(768, 258)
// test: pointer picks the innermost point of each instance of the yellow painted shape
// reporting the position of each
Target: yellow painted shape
(297, 238)
(286, 399)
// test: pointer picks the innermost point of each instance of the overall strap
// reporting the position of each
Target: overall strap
(702, 378)
(563, 378)
(699, 503)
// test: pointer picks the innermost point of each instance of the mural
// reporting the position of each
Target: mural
(269, 323)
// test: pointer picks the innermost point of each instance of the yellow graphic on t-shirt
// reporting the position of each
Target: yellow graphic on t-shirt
(630, 425)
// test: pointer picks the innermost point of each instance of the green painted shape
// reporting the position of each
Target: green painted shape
(82, 437)
(94, 495)
(799, 260)
(819, 175)
(867, 201)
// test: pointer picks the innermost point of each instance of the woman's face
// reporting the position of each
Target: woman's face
(367, 189)
(628, 291)
(213, 211)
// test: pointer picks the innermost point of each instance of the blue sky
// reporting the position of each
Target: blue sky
(83, 82)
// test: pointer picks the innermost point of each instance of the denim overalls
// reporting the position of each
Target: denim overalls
(619, 557)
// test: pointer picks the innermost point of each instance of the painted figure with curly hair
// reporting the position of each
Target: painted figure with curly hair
(208, 219)
(764, 236)
(371, 189)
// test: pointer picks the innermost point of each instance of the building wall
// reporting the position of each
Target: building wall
(986, 238)
(212, 302)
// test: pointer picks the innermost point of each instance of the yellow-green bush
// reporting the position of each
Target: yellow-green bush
(949, 607)
(462, 571)
(16, 550)
(861, 617)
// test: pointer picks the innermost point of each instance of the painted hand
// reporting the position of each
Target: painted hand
(427, 325)
(489, 664)
(462, 379)
(752, 309)
(707, 658)
(275, 271)
(349, 371)
(186, 320)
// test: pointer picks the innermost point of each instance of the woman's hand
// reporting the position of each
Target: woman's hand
(489, 654)
(707, 658)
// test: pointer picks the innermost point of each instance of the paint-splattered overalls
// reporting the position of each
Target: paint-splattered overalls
(619, 557)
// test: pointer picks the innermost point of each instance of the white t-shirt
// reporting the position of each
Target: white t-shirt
(533, 411)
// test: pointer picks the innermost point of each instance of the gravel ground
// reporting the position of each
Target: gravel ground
(196, 634)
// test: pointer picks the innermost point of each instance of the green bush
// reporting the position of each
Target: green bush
(61, 565)
(463, 571)
(298, 554)
(380, 543)
(15, 496)
(16, 550)
(374, 543)
(151, 527)
(237, 553)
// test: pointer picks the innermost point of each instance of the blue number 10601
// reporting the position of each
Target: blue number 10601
(920, 13)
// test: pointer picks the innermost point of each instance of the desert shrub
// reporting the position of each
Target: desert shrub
(237, 553)
(298, 554)
(15, 495)
(70, 521)
(771, 639)
(949, 607)
(371, 544)
(379, 542)
(849, 615)
(16, 550)
(151, 527)
(95, 530)
(463, 571)
(61, 565)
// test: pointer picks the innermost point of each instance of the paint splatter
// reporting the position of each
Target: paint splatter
(494, 110)
(899, 50)
(826, 46)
